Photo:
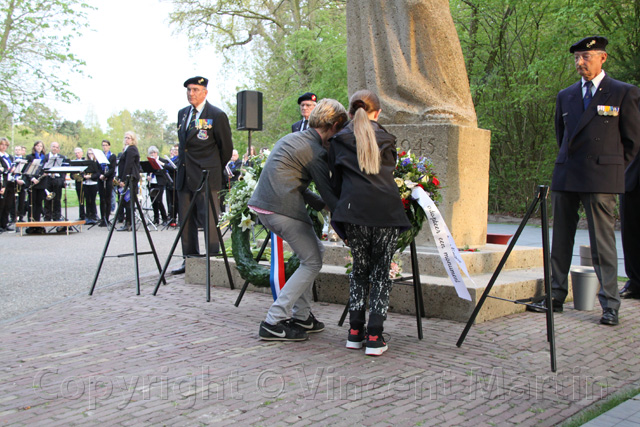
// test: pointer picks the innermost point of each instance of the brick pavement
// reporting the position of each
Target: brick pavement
(120, 359)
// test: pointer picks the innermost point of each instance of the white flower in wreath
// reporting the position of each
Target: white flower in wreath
(246, 222)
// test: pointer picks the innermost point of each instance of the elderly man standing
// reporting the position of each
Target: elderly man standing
(307, 103)
(598, 131)
(205, 143)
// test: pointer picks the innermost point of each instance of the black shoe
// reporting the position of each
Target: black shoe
(627, 293)
(9, 229)
(609, 317)
(126, 227)
(179, 270)
(541, 307)
(102, 224)
(356, 338)
(61, 229)
(376, 345)
(311, 325)
(89, 221)
(282, 331)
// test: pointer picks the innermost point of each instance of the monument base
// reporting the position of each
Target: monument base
(460, 155)
(522, 277)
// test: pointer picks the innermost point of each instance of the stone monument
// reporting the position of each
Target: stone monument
(408, 52)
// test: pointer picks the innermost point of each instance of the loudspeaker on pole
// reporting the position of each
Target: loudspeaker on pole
(249, 110)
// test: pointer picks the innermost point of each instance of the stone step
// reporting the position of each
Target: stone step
(484, 260)
(440, 298)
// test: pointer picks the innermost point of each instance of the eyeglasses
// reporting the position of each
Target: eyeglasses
(307, 105)
(585, 56)
(127, 137)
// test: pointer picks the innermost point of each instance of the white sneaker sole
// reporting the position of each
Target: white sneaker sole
(356, 345)
(376, 351)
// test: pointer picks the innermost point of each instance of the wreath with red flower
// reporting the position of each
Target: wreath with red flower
(414, 171)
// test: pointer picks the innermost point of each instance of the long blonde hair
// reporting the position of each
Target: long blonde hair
(363, 102)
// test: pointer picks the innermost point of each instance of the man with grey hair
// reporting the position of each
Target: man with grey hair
(280, 199)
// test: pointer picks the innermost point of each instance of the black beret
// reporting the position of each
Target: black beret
(197, 80)
(590, 43)
(307, 97)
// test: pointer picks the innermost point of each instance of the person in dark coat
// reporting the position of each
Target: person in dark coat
(205, 143)
(630, 216)
(597, 124)
(129, 167)
(307, 103)
(369, 215)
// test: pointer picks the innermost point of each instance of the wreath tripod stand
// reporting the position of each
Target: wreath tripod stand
(541, 197)
(210, 207)
(133, 204)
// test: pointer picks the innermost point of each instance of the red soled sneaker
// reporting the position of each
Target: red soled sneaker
(376, 345)
(355, 339)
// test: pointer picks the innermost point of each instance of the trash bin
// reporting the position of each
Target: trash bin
(585, 255)
(585, 286)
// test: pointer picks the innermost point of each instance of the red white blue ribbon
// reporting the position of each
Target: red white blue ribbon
(276, 275)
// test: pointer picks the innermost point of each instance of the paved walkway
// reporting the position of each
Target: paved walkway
(120, 359)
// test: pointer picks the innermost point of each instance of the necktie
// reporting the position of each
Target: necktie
(304, 125)
(587, 95)
(192, 122)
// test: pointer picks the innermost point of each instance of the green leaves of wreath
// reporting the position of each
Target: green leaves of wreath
(248, 267)
(241, 221)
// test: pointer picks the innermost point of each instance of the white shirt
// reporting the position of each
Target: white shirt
(596, 82)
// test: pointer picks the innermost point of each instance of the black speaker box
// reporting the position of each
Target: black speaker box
(249, 110)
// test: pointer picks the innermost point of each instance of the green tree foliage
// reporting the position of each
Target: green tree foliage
(286, 47)
(34, 49)
(517, 60)
(149, 126)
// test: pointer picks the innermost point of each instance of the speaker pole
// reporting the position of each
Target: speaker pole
(249, 145)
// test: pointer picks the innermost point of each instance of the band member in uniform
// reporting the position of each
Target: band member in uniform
(90, 188)
(205, 144)
(105, 183)
(7, 186)
(37, 188)
(129, 166)
(21, 188)
(172, 197)
(54, 183)
(157, 183)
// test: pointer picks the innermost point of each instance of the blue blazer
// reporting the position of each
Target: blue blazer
(596, 148)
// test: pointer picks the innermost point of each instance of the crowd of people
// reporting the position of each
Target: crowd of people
(351, 159)
(32, 186)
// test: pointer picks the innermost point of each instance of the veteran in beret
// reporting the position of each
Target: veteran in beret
(205, 143)
(597, 122)
(307, 103)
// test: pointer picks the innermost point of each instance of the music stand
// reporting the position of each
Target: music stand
(210, 207)
(541, 197)
(134, 202)
(65, 170)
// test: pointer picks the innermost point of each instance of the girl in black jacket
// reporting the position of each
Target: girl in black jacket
(369, 215)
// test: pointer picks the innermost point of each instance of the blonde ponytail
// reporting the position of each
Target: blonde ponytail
(362, 103)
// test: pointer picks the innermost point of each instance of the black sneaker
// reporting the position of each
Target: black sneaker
(355, 339)
(311, 325)
(281, 331)
(376, 345)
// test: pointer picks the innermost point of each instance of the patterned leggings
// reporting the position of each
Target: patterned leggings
(372, 249)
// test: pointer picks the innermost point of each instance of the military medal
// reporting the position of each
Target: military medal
(202, 134)
(608, 110)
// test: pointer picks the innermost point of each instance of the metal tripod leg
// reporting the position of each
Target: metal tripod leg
(540, 198)
(246, 283)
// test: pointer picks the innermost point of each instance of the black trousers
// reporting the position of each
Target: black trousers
(158, 206)
(90, 192)
(105, 189)
(81, 193)
(630, 213)
(189, 238)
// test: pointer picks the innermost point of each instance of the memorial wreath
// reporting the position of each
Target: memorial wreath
(411, 171)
